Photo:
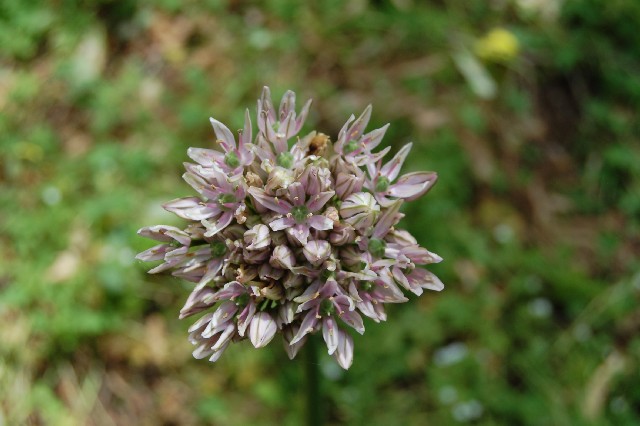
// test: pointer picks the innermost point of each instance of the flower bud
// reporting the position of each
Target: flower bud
(347, 184)
(262, 329)
(342, 234)
(317, 251)
(360, 210)
(257, 237)
(282, 257)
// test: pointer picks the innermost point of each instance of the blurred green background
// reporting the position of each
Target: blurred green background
(527, 109)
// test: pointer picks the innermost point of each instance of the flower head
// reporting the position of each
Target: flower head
(292, 236)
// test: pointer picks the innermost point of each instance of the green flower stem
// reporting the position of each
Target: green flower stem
(314, 389)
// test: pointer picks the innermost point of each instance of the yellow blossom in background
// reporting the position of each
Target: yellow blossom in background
(498, 45)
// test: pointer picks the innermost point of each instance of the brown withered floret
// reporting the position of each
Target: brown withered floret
(318, 144)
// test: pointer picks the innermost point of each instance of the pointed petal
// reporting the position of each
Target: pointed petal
(319, 200)
(222, 222)
(245, 137)
(292, 348)
(191, 208)
(372, 139)
(356, 130)
(308, 324)
(297, 195)
(224, 135)
(302, 116)
(163, 233)
(245, 317)
(413, 185)
(154, 253)
(392, 168)
(344, 351)
(330, 334)
(320, 222)
(300, 233)
(269, 202)
(387, 219)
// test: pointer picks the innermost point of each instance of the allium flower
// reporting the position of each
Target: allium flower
(295, 236)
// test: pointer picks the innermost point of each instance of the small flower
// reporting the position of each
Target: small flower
(409, 187)
(292, 237)
(298, 211)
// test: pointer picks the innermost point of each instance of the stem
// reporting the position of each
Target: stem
(314, 395)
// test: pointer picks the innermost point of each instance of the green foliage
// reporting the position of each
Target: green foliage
(536, 211)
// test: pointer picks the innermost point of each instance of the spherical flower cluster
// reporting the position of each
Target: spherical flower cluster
(292, 234)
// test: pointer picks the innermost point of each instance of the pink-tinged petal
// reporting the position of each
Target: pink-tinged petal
(318, 201)
(331, 288)
(245, 317)
(172, 258)
(354, 320)
(197, 302)
(202, 351)
(265, 104)
(213, 269)
(308, 324)
(302, 116)
(196, 182)
(191, 208)
(342, 136)
(224, 338)
(366, 158)
(218, 353)
(400, 278)
(300, 233)
(420, 255)
(387, 219)
(282, 223)
(425, 279)
(386, 290)
(287, 104)
(311, 293)
(344, 351)
(219, 225)
(372, 139)
(330, 334)
(201, 323)
(297, 196)
(392, 168)
(230, 290)
(205, 157)
(320, 222)
(263, 328)
(223, 182)
(286, 130)
(223, 314)
(288, 334)
(367, 309)
(286, 313)
(356, 130)
(245, 137)
(154, 253)
(272, 203)
(224, 135)
(413, 185)
(164, 233)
